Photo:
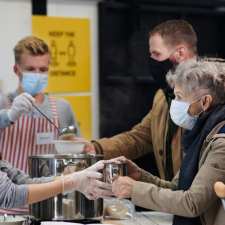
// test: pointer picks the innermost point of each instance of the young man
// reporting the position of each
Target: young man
(24, 131)
(170, 43)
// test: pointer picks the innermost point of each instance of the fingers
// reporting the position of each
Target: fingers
(122, 187)
(117, 160)
(98, 192)
(97, 166)
(92, 174)
(103, 185)
(89, 148)
(90, 196)
(80, 139)
(24, 101)
(28, 97)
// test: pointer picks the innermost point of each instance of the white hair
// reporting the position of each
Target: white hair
(193, 76)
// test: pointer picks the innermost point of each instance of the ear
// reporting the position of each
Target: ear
(181, 53)
(206, 102)
(17, 71)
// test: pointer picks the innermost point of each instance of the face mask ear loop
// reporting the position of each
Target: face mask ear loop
(202, 111)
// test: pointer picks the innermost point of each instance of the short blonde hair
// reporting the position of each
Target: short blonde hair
(31, 45)
(193, 76)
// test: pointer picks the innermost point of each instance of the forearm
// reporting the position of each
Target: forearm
(131, 144)
(19, 177)
(189, 203)
(149, 178)
(39, 192)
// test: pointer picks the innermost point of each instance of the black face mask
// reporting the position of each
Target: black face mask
(158, 70)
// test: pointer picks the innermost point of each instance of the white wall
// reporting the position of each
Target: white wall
(15, 23)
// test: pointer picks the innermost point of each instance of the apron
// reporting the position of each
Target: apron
(29, 135)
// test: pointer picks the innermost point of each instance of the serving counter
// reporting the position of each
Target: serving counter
(144, 218)
(140, 218)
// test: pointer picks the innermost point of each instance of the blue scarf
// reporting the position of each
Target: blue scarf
(192, 142)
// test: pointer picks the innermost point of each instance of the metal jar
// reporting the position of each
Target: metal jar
(113, 170)
(72, 206)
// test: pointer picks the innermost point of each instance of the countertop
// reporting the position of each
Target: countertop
(145, 218)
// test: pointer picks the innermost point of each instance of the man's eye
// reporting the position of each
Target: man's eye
(44, 70)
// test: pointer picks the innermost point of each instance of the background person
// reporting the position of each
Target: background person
(170, 43)
(24, 131)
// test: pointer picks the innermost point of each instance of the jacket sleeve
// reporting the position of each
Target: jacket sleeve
(11, 195)
(188, 203)
(19, 177)
(149, 178)
(132, 144)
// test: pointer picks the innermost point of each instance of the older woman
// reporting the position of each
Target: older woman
(198, 107)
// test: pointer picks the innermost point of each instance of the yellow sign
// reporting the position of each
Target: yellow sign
(69, 41)
(81, 106)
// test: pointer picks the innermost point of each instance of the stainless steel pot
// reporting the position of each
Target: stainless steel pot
(70, 206)
(12, 220)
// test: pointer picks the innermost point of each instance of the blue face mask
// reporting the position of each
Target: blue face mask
(34, 83)
(180, 116)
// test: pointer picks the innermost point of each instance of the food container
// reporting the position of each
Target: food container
(72, 206)
(69, 146)
(113, 170)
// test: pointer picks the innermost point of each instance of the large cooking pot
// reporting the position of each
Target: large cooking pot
(70, 206)
(12, 220)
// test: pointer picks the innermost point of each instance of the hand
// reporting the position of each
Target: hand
(23, 103)
(122, 187)
(89, 148)
(87, 181)
(97, 166)
(133, 170)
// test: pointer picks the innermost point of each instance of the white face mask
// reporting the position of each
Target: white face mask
(180, 116)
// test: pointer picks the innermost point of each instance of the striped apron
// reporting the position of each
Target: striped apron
(20, 140)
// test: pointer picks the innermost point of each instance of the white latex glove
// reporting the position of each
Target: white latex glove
(87, 182)
(23, 103)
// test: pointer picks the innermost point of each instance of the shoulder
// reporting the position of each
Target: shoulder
(59, 101)
(159, 95)
(62, 101)
(159, 102)
(214, 146)
(215, 133)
